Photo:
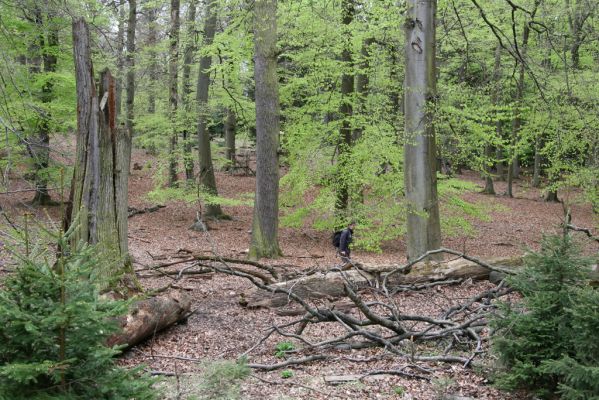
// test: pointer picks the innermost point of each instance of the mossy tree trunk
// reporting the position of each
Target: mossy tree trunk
(420, 174)
(266, 205)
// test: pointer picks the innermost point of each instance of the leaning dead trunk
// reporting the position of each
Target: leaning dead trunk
(420, 174)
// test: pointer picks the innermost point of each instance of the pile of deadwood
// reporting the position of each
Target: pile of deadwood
(361, 298)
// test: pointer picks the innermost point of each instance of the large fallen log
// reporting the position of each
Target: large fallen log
(331, 284)
(150, 316)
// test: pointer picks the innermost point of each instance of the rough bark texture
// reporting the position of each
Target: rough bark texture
(173, 79)
(153, 55)
(186, 87)
(345, 109)
(149, 316)
(206, 177)
(331, 284)
(120, 59)
(100, 180)
(265, 225)
(420, 180)
(130, 62)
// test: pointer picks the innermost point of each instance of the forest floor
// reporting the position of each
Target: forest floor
(221, 329)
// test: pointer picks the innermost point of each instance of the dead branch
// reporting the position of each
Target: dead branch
(291, 361)
(583, 230)
(135, 211)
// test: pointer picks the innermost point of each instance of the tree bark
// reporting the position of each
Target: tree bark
(120, 59)
(536, 176)
(420, 175)
(345, 109)
(230, 128)
(489, 153)
(186, 86)
(98, 203)
(265, 224)
(153, 55)
(173, 78)
(40, 148)
(207, 179)
(514, 166)
(130, 63)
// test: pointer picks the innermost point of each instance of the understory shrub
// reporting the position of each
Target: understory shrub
(53, 326)
(547, 343)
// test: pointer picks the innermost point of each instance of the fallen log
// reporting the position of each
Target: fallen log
(331, 284)
(149, 316)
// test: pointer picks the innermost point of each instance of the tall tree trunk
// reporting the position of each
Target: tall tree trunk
(514, 166)
(346, 109)
(536, 176)
(207, 178)
(362, 84)
(130, 63)
(420, 176)
(120, 59)
(173, 64)
(153, 56)
(186, 83)
(230, 128)
(49, 50)
(266, 205)
(99, 190)
(489, 153)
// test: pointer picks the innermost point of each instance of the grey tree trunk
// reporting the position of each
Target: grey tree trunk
(98, 197)
(489, 153)
(266, 205)
(41, 146)
(152, 55)
(206, 178)
(420, 180)
(130, 63)
(230, 128)
(536, 176)
(514, 166)
(173, 78)
(120, 59)
(346, 110)
(186, 86)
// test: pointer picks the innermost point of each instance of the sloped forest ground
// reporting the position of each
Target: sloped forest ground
(221, 329)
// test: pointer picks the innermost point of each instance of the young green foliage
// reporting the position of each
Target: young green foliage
(53, 326)
(545, 342)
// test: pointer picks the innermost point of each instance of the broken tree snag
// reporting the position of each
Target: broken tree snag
(331, 284)
(149, 316)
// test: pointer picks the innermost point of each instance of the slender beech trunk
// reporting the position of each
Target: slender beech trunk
(173, 78)
(153, 56)
(130, 63)
(49, 51)
(120, 59)
(207, 178)
(362, 84)
(536, 175)
(186, 86)
(99, 190)
(489, 153)
(266, 205)
(230, 128)
(420, 180)
(514, 166)
(346, 110)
